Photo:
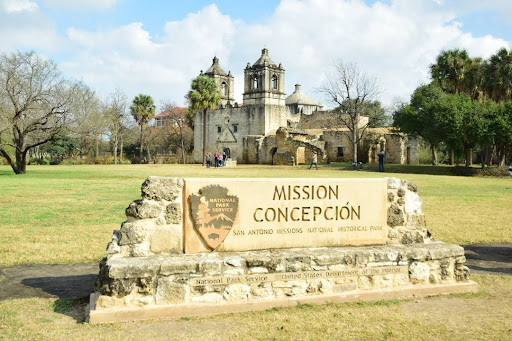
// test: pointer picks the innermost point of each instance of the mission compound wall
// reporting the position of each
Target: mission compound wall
(202, 246)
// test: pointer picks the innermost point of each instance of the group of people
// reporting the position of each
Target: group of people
(219, 160)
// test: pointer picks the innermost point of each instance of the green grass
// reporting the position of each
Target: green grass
(66, 214)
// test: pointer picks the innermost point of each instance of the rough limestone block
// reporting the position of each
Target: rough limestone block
(160, 188)
(258, 270)
(395, 216)
(394, 183)
(139, 250)
(235, 292)
(166, 239)
(210, 266)
(208, 298)
(143, 209)
(173, 213)
(182, 266)
(170, 292)
(262, 290)
(363, 282)
(133, 268)
(413, 203)
(134, 232)
(419, 272)
(235, 261)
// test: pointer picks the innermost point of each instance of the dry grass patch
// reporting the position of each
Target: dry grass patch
(482, 316)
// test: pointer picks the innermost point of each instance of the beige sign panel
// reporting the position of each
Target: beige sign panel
(257, 214)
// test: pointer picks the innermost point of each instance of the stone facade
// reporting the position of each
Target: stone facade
(146, 273)
(247, 132)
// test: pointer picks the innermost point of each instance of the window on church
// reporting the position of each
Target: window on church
(274, 82)
(255, 82)
(223, 88)
(235, 128)
(219, 129)
(341, 151)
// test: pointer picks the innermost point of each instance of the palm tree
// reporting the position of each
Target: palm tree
(203, 95)
(450, 70)
(499, 75)
(143, 110)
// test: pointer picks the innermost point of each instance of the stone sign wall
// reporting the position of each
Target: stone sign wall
(202, 246)
(256, 214)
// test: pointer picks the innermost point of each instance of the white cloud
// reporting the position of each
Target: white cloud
(15, 6)
(396, 43)
(23, 26)
(81, 5)
(129, 58)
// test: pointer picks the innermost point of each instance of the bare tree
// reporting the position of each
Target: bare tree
(352, 91)
(116, 115)
(34, 104)
(87, 122)
(177, 121)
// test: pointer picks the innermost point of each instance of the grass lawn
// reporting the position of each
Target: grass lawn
(485, 315)
(65, 214)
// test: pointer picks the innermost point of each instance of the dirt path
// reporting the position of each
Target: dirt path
(75, 281)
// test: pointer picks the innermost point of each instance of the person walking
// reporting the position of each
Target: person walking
(217, 155)
(208, 160)
(314, 160)
(381, 161)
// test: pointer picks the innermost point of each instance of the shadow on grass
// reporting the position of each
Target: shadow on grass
(489, 258)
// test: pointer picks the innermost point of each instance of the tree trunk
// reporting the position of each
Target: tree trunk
(115, 149)
(121, 151)
(434, 155)
(452, 156)
(483, 156)
(141, 142)
(182, 148)
(97, 150)
(148, 152)
(468, 152)
(204, 137)
(21, 162)
(354, 143)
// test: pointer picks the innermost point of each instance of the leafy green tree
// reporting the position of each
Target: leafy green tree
(501, 126)
(35, 103)
(421, 117)
(143, 110)
(59, 149)
(203, 96)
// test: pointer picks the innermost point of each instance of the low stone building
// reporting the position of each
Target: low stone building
(271, 129)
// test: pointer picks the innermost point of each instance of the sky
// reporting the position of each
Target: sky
(157, 47)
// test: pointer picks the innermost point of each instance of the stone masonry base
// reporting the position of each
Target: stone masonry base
(167, 286)
(187, 310)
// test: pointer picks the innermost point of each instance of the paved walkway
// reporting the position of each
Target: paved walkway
(75, 281)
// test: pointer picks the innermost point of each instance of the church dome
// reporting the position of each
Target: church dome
(298, 97)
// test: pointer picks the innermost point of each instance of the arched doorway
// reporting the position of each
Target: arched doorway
(272, 153)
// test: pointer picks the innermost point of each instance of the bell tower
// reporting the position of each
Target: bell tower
(224, 81)
(264, 82)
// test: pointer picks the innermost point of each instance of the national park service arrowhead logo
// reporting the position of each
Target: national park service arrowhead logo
(213, 212)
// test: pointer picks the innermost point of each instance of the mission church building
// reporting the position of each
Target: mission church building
(265, 128)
